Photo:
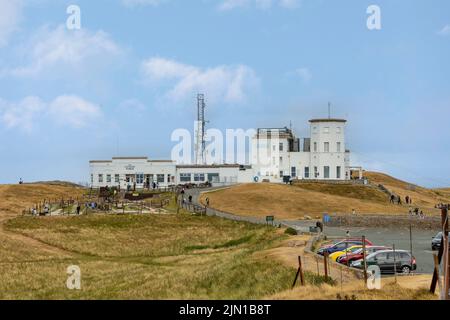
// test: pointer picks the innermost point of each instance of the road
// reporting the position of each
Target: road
(421, 239)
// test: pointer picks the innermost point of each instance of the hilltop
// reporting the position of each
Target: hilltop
(17, 197)
(296, 201)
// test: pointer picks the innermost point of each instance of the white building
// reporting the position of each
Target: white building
(277, 153)
(277, 156)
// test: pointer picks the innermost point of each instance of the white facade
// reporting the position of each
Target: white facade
(276, 155)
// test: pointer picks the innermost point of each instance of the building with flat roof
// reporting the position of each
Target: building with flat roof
(277, 155)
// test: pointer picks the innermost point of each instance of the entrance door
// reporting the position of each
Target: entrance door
(213, 177)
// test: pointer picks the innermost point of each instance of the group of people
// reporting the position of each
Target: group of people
(398, 200)
(417, 212)
(46, 210)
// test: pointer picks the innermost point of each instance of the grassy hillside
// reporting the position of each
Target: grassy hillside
(293, 202)
(422, 197)
(15, 198)
(140, 257)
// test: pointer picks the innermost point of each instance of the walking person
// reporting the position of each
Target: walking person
(190, 198)
(207, 202)
(392, 199)
(78, 209)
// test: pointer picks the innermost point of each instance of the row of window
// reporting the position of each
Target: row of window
(138, 178)
(326, 147)
(187, 177)
(327, 130)
(316, 174)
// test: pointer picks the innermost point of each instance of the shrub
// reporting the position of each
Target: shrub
(291, 231)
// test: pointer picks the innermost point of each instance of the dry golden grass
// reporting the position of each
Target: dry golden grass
(354, 291)
(313, 199)
(141, 257)
(15, 198)
(293, 202)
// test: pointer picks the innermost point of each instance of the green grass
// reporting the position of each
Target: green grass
(143, 257)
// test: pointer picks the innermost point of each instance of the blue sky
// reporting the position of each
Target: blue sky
(129, 77)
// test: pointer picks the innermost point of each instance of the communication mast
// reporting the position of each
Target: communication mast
(200, 143)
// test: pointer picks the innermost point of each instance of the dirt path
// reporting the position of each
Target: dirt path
(29, 241)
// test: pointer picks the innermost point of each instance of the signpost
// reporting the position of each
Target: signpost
(270, 219)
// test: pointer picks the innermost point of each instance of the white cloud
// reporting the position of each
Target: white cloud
(10, 15)
(57, 47)
(73, 111)
(65, 110)
(224, 83)
(22, 113)
(445, 31)
(304, 74)
(260, 4)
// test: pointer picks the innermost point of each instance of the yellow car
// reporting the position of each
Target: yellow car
(334, 256)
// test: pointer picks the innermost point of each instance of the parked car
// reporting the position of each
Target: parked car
(350, 250)
(342, 245)
(358, 254)
(404, 262)
(436, 241)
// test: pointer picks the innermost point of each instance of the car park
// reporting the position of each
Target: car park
(350, 250)
(342, 245)
(389, 261)
(358, 254)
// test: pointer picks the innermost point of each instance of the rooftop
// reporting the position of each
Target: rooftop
(327, 120)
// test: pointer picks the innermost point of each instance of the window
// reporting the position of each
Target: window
(100, 178)
(314, 129)
(185, 177)
(281, 160)
(326, 172)
(273, 160)
(274, 148)
(338, 147)
(326, 147)
(199, 177)
(160, 178)
(293, 172)
(316, 172)
(108, 178)
(92, 178)
(338, 172)
(326, 130)
(281, 173)
(117, 178)
(338, 130)
(168, 178)
(306, 172)
(315, 146)
(140, 178)
(281, 146)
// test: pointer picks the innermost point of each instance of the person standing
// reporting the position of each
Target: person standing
(78, 209)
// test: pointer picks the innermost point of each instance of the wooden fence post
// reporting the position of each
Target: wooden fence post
(325, 264)
(299, 273)
(364, 259)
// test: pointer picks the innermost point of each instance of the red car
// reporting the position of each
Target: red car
(348, 258)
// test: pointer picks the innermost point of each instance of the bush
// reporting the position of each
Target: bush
(291, 231)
